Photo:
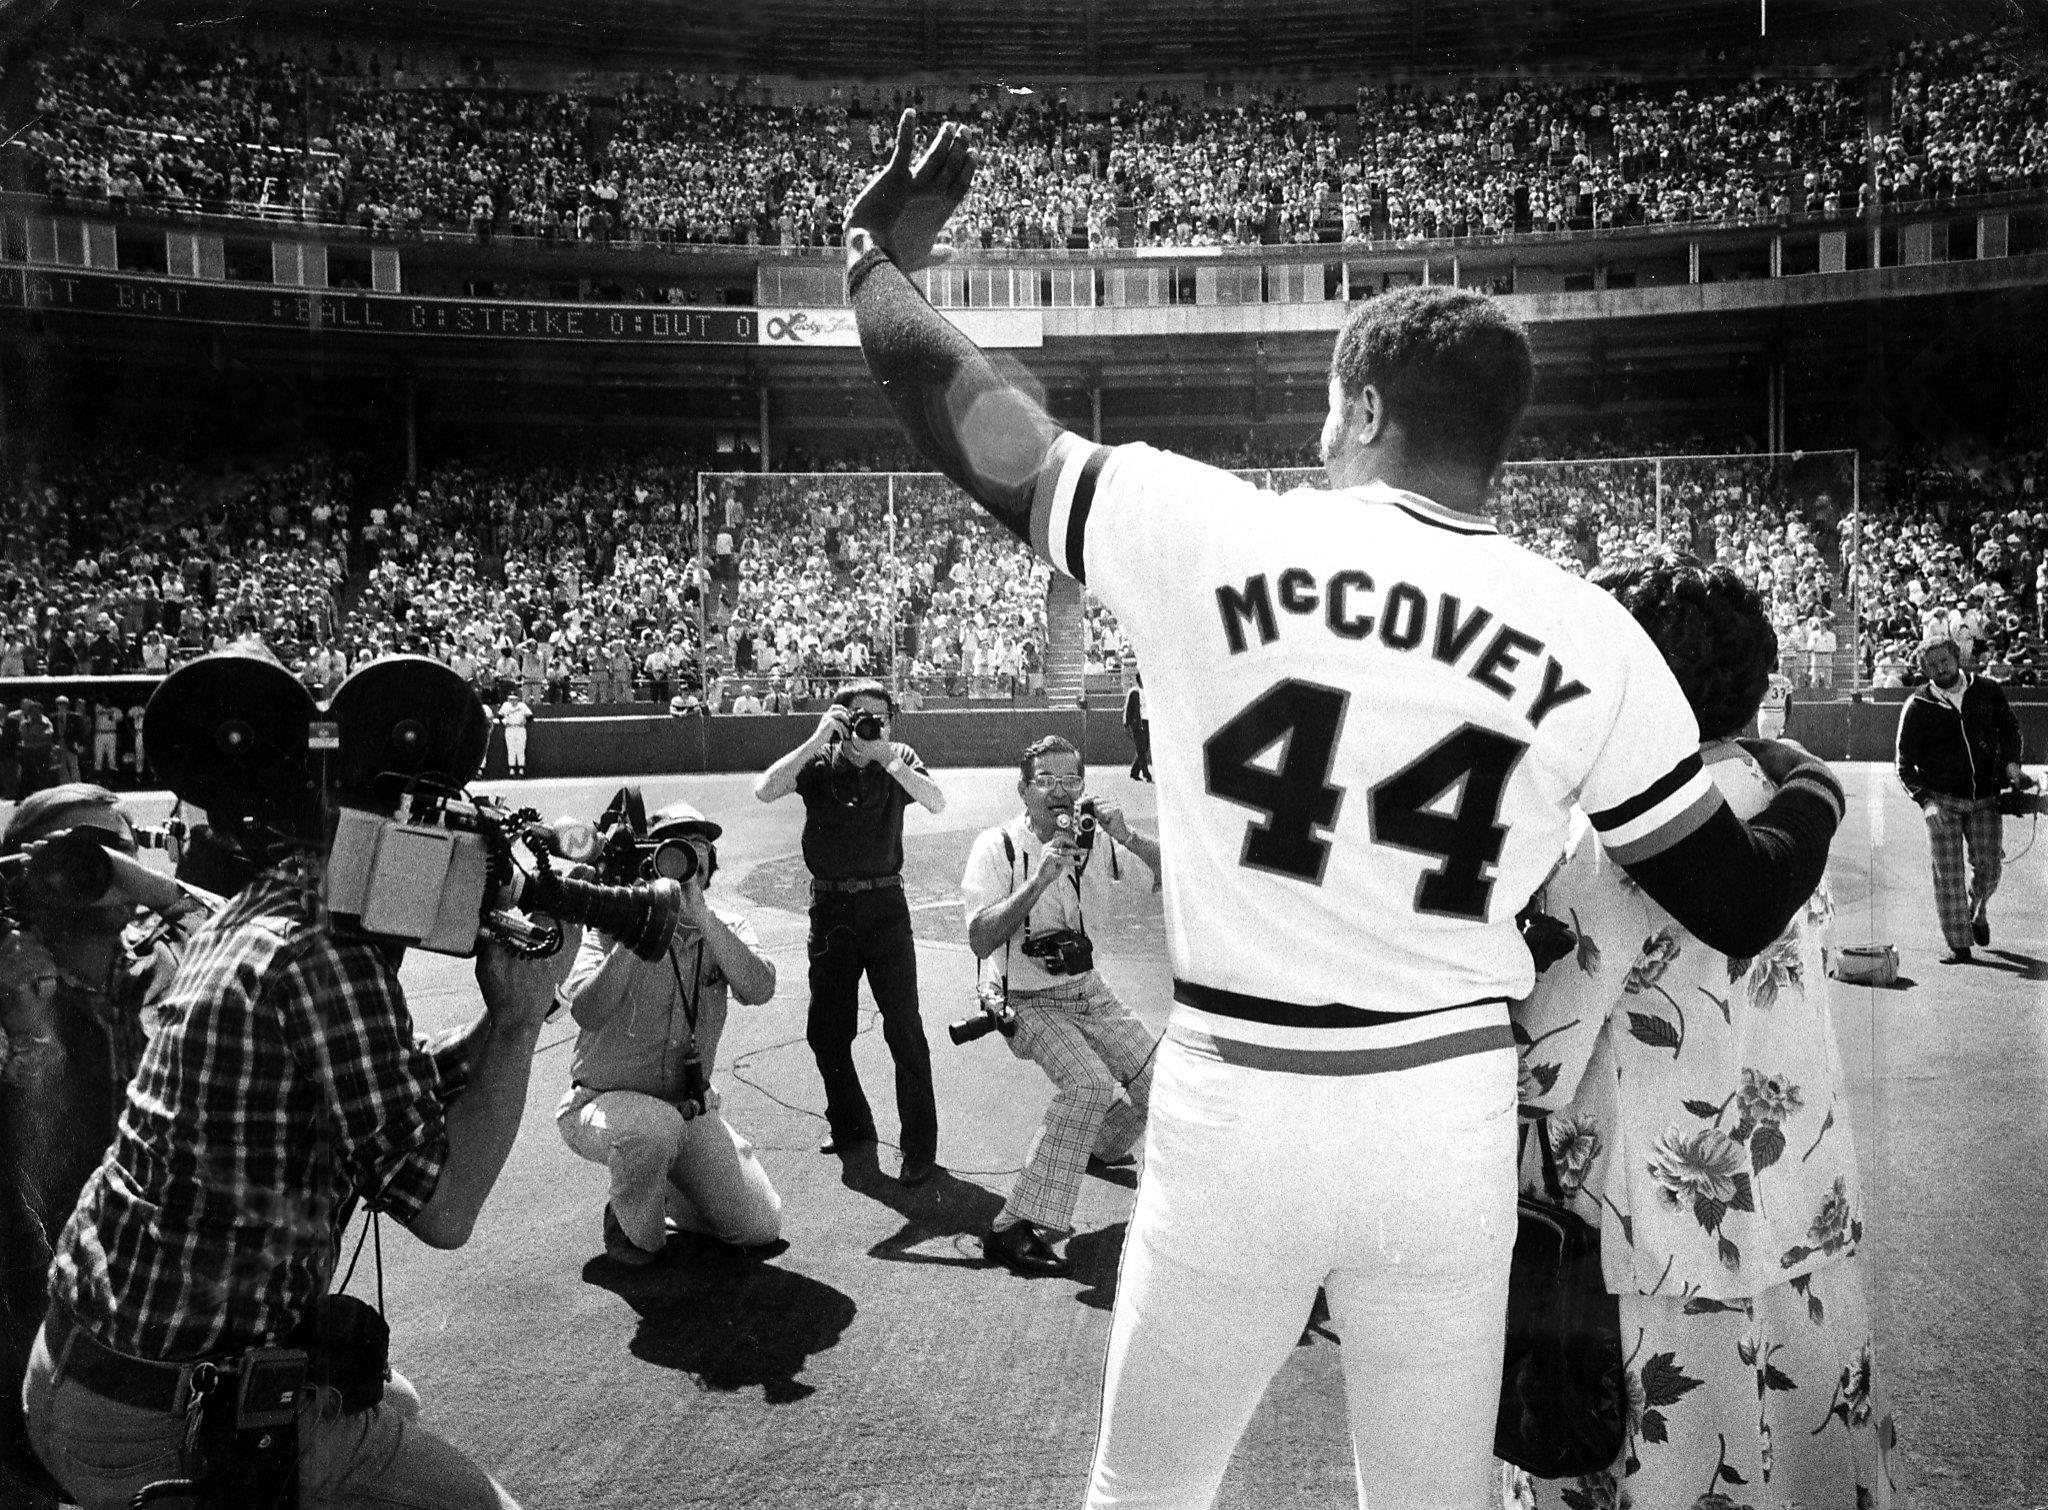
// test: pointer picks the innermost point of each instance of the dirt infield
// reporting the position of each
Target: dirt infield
(876, 1362)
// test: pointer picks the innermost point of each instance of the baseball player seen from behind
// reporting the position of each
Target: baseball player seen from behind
(1373, 715)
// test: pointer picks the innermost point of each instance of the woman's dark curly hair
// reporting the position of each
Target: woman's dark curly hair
(1712, 629)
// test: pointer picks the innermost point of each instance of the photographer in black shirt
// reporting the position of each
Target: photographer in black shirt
(855, 783)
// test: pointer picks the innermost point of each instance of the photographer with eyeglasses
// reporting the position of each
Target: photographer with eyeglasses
(1025, 893)
(856, 783)
(641, 1101)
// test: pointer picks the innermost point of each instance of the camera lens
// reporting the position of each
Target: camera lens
(867, 726)
(675, 860)
(71, 869)
(968, 1029)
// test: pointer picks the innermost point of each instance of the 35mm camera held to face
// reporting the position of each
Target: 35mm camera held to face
(868, 726)
(1079, 825)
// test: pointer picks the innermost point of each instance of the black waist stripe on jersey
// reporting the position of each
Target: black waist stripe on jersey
(1291, 1014)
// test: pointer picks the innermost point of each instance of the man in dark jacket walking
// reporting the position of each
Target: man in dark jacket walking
(1958, 747)
(1139, 723)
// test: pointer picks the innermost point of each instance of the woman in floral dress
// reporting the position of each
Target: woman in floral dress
(1699, 1120)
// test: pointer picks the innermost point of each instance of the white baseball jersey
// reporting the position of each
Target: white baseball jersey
(1371, 718)
(1770, 714)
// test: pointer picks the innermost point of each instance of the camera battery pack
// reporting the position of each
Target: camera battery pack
(272, 1381)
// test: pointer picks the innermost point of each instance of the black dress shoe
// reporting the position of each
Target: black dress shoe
(917, 1171)
(1980, 930)
(1958, 957)
(1022, 1249)
(849, 1144)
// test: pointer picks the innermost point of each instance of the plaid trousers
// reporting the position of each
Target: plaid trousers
(1957, 824)
(1090, 1044)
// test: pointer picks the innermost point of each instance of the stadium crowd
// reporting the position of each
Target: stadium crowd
(576, 577)
(229, 129)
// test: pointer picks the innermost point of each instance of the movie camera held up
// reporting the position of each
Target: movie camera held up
(413, 857)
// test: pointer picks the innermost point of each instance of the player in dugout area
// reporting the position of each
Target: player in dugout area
(87, 949)
(856, 782)
(1373, 716)
(285, 1085)
(1026, 892)
(641, 1100)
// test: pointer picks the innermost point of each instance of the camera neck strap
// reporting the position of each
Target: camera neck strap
(1080, 918)
(693, 993)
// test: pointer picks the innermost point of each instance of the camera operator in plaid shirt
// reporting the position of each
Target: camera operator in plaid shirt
(285, 1084)
(1024, 897)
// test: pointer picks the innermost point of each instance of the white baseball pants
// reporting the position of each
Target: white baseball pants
(1394, 1192)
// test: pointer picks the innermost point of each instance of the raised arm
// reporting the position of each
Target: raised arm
(779, 780)
(911, 775)
(959, 412)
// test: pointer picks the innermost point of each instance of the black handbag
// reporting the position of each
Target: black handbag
(1562, 1408)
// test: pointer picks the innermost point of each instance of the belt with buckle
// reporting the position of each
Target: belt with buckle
(864, 883)
(129, 1381)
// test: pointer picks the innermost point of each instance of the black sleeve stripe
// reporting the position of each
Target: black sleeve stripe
(1077, 515)
(1657, 791)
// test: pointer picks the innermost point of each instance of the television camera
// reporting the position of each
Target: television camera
(412, 856)
(626, 851)
(441, 869)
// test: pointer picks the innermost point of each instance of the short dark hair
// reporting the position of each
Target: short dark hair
(1712, 630)
(845, 695)
(1449, 365)
(1051, 744)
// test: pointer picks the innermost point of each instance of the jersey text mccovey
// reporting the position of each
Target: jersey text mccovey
(1405, 621)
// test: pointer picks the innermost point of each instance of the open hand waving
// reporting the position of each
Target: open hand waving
(904, 207)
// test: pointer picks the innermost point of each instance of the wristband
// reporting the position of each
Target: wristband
(857, 272)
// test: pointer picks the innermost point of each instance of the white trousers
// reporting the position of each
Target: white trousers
(1394, 1192)
(699, 1170)
(515, 747)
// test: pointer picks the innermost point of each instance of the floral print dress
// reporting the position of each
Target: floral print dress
(1699, 1119)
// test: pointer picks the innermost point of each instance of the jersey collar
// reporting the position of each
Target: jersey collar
(1424, 510)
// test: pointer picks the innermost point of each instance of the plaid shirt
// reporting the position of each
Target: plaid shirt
(285, 1078)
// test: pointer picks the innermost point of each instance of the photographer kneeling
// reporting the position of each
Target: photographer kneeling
(1024, 895)
(642, 1102)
